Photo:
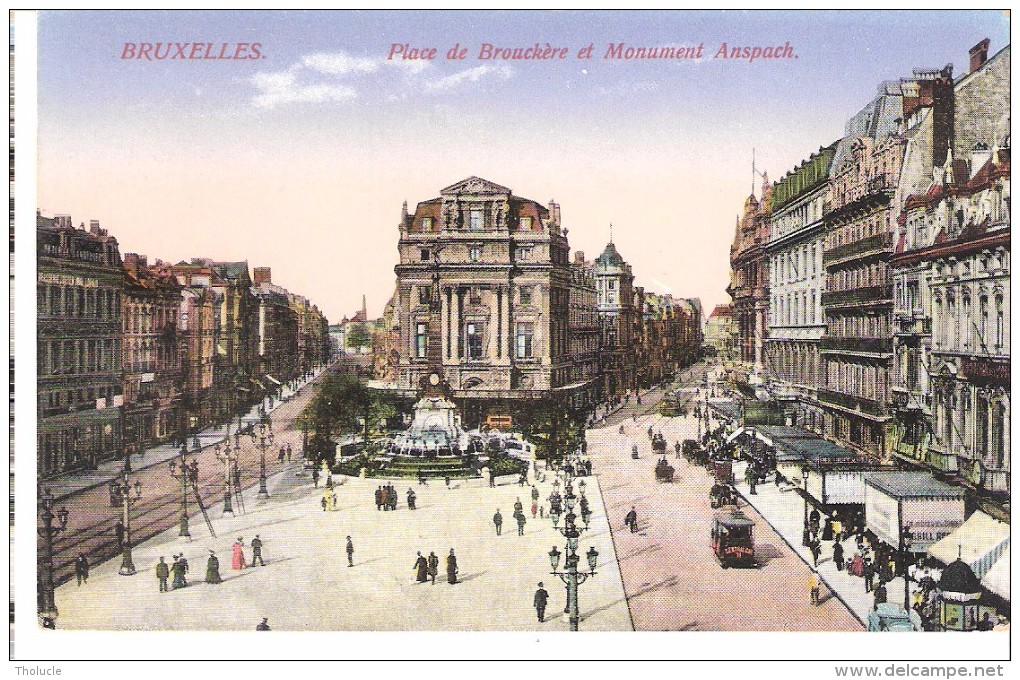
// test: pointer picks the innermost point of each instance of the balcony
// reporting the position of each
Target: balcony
(877, 188)
(913, 325)
(858, 296)
(870, 245)
(850, 344)
(851, 402)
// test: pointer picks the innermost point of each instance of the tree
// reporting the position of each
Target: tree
(552, 427)
(358, 337)
(345, 405)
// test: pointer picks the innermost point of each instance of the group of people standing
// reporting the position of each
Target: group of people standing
(427, 568)
(386, 497)
(179, 569)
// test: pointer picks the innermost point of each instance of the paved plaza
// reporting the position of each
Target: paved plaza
(307, 584)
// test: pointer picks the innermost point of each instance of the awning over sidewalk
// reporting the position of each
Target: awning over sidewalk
(727, 410)
(273, 380)
(997, 578)
(979, 542)
(930, 508)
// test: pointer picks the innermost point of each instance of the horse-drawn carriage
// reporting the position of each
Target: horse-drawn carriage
(722, 494)
(664, 471)
(659, 445)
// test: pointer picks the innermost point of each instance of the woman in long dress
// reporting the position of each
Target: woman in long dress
(237, 561)
(451, 567)
(421, 568)
(212, 569)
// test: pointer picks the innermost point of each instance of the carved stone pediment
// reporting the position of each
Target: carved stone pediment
(475, 185)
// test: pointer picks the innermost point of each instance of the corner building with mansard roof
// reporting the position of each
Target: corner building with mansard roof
(483, 301)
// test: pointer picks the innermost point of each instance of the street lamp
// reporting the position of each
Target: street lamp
(123, 488)
(228, 457)
(47, 607)
(570, 575)
(804, 472)
(263, 444)
(183, 471)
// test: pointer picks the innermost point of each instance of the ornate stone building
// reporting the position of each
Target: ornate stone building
(483, 288)
(152, 357)
(79, 283)
(719, 331)
(618, 317)
(951, 385)
(749, 280)
(585, 334)
(796, 284)
(857, 303)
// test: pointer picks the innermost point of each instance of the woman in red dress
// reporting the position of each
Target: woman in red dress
(238, 562)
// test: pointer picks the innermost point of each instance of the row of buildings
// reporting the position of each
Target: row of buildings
(870, 285)
(490, 302)
(131, 354)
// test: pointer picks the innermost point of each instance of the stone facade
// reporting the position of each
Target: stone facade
(79, 286)
(152, 357)
(719, 331)
(750, 280)
(618, 317)
(483, 289)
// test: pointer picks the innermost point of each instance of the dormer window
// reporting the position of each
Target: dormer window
(525, 223)
(426, 224)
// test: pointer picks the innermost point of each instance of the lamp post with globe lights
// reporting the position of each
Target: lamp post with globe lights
(124, 490)
(570, 575)
(47, 606)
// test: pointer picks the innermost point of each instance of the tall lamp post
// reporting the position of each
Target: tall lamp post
(182, 471)
(47, 606)
(804, 472)
(228, 457)
(123, 489)
(570, 574)
(264, 442)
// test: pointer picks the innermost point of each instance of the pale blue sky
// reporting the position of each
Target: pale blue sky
(302, 158)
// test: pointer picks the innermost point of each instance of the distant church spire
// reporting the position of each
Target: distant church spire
(610, 232)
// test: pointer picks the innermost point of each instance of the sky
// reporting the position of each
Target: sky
(300, 159)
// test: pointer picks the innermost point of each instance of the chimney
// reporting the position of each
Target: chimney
(979, 155)
(262, 275)
(979, 55)
(94, 227)
(131, 258)
(554, 212)
(63, 221)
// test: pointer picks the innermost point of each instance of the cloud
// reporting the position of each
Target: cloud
(338, 63)
(282, 87)
(471, 75)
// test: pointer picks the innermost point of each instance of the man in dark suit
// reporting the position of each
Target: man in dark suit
(163, 574)
(541, 600)
(256, 551)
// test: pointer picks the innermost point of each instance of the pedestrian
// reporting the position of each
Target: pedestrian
(179, 569)
(534, 509)
(81, 569)
(447, 480)
(837, 555)
(497, 519)
(631, 520)
(283, 454)
(324, 503)
(433, 566)
(751, 477)
(869, 572)
(541, 600)
(212, 569)
(289, 452)
(881, 595)
(256, 551)
(378, 498)
(421, 568)
(350, 552)
(521, 521)
(534, 493)
(332, 501)
(411, 499)
(451, 568)
(264, 625)
(315, 477)
(816, 550)
(237, 561)
(394, 499)
(815, 588)
(118, 530)
(163, 574)
(518, 507)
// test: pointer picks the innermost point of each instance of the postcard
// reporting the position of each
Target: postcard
(394, 335)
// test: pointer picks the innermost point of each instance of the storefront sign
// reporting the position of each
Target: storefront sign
(995, 373)
(68, 280)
